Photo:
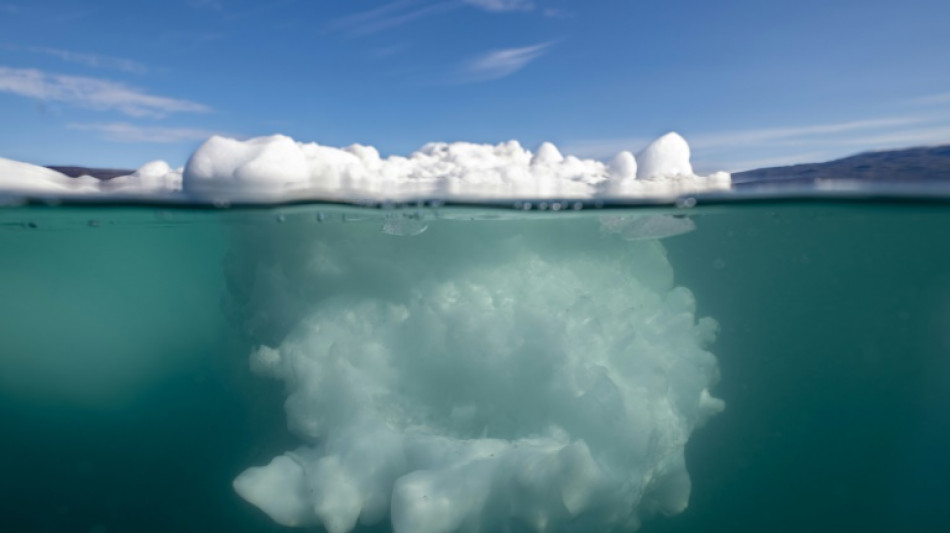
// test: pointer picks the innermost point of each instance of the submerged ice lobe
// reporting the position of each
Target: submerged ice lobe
(480, 376)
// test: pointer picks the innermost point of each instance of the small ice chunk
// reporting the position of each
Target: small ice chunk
(152, 177)
(26, 178)
(665, 157)
(262, 165)
(647, 227)
(547, 154)
(404, 226)
(280, 490)
(623, 167)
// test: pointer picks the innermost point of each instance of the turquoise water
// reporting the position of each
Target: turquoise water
(128, 403)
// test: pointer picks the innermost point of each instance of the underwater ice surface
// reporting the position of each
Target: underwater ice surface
(475, 370)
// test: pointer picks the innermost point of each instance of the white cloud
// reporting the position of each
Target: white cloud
(737, 150)
(836, 148)
(132, 133)
(765, 135)
(90, 60)
(92, 93)
(553, 12)
(501, 63)
(388, 51)
(931, 99)
(902, 138)
(502, 5)
(206, 4)
(778, 161)
(714, 142)
(391, 15)
(399, 12)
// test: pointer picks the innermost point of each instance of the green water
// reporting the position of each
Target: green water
(127, 405)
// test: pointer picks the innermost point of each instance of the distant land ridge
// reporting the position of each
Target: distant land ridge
(929, 163)
(101, 173)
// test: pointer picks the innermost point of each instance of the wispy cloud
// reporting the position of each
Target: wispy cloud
(86, 59)
(735, 150)
(498, 64)
(500, 6)
(206, 4)
(92, 93)
(836, 148)
(553, 12)
(901, 138)
(131, 133)
(9, 8)
(713, 142)
(391, 15)
(784, 160)
(388, 51)
(399, 12)
(931, 99)
(767, 135)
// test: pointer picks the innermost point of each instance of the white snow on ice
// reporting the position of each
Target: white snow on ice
(278, 168)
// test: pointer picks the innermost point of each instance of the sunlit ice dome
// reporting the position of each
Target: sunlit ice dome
(278, 168)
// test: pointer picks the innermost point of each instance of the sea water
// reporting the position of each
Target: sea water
(742, 367)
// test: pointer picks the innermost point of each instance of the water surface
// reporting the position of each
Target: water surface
(129, 405)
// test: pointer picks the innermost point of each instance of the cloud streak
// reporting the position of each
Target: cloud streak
(931, 99)
(124, 132)
(92, 93)
(215, 5)
(736, 150)
(499, 64)
(399, 12)
(765, 135)
(391, 15)
(501, 6)
(90, 60)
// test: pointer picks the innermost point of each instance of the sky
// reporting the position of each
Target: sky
(749, 83)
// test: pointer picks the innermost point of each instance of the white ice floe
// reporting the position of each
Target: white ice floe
(155, 177)
(26, 179)
(278, 168)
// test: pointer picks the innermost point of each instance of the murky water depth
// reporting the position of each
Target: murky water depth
(146, 357)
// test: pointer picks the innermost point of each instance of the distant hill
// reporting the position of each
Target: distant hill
(101, 173)
(910, 165)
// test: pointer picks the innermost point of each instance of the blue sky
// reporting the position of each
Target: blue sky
(749, 83)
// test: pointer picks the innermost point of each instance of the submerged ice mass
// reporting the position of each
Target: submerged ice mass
(480, 376)
(279, 168)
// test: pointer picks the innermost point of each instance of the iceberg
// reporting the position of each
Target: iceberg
(277, 168)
